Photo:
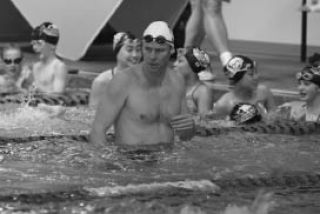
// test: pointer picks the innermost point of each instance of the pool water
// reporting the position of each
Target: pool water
(69, 176)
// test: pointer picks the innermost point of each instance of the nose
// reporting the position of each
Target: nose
(153, 55)
(300, 87)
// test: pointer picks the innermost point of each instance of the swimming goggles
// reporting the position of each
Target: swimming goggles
(309, 73)
(15, 61)
(159, 39)
(304, 75)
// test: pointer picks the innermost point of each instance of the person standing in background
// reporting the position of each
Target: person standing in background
(207, 19)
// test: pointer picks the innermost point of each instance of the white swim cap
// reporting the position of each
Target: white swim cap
(158, 29)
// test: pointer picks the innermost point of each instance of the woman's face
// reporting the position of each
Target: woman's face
(130, 53)
(250, 79)
(307, 90)
(182, 65)
(12, 59)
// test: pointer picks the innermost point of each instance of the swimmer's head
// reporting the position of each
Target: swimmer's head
(127, 48)
(158, 32)
(237, 66)
(47, 32)
(245, 113)
(12, 57)
(310, 73)
(198, 59)
(120, 38)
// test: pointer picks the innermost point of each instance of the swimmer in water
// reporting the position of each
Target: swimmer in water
(245, 88)
(127, 49)
(13, 76)
(308, 108)
(49, 73)
(145, 102)
(190, 62)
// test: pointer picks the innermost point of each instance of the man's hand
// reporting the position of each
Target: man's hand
(183, 126)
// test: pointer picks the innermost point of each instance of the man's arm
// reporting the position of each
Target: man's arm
(183, 124)
(204, 100)
(60, 79)
(109, 108)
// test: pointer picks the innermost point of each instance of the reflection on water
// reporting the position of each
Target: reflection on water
(54, 176)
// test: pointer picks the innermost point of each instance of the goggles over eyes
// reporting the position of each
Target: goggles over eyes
(159, 39)
(12, 61)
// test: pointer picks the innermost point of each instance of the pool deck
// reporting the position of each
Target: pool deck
(277, 63)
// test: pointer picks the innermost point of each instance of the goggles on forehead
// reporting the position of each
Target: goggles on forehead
(159, 39)
(309, 73)
(304, 75)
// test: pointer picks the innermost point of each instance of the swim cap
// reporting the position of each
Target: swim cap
(47, 32)
(237, 66)
(159, 32)
(245, 113)
(197, 59)
(310, 73)
(119, 40)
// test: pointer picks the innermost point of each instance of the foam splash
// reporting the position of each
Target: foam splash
(24, 119)
(201, 185)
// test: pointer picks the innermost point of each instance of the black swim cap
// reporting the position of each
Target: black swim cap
(237, 66)
(47, 32)
(245, 113)
(198, 59)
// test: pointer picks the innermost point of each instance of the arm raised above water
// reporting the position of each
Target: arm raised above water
(110, 106)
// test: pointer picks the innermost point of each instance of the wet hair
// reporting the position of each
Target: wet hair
(47, 32)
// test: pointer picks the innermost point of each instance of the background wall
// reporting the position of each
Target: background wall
(276, 21)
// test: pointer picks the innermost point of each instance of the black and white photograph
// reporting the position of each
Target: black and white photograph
(159, 107)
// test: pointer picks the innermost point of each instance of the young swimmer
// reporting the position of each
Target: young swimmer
(12, 79)
(127, 49)
(190, 62)
(308, 108)
(49, 73)
(243, 76)
(145, 101)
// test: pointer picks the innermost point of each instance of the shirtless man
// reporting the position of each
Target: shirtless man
(49, 73)
(207, 19)
(145, 102)
(127, 49)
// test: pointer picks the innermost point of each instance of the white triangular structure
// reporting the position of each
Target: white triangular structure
(80, 21)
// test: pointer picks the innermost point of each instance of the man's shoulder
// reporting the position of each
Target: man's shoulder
(104, 75)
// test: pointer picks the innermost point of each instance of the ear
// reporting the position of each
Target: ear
(172, 50)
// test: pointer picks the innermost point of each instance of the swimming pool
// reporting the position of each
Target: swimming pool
(67, 175)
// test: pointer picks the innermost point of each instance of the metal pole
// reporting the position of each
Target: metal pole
(304, 26)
